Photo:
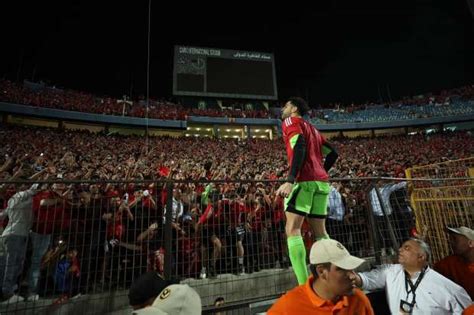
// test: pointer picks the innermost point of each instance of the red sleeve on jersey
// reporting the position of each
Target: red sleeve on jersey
(323, 140)
(203, 217)
(290, 127)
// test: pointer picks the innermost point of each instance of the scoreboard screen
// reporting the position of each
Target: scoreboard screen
(224, 73)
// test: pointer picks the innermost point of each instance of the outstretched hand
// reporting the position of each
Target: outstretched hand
(285, 190)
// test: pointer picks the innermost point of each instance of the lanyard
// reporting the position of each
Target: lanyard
(412, 286)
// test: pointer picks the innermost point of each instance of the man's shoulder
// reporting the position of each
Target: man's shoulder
(446, 289)
(358, 295)
(451, 259)
(438, 279)
(287, 300)
(292, 121)
(295, 293)
(360, 299)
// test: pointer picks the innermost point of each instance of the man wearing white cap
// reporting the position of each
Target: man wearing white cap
(330, 288)
(175, 299)
(459, 267)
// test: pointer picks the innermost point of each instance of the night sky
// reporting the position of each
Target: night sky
(336, 51)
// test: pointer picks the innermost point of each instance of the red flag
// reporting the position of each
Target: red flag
(164, 171)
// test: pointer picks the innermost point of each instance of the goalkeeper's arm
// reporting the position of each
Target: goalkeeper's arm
(298, 144)
(331, 156)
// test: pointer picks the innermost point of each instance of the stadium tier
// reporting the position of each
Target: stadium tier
(449, 103)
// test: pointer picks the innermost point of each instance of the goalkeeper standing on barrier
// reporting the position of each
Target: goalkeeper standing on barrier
(307, 189)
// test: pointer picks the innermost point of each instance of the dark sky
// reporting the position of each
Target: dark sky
(335, 51)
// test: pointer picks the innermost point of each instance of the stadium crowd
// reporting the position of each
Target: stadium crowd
(91, 237)
(457, 101)
(65, 99)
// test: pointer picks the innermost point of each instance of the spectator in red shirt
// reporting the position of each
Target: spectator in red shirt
(459, 267)
(50, 214)
(211, 228)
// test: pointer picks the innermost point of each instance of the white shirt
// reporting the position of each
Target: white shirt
(385, 192)
(336, 206)
(435, 294)
(176, 211)
(20, 212)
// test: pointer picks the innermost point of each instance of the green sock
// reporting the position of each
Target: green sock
(298, 258)
(324, 237)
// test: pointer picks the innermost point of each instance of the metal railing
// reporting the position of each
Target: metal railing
(85, 242)
(444, 197)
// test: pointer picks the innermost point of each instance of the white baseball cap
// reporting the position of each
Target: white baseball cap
(463, 230)
(331, 251)
(179, 299)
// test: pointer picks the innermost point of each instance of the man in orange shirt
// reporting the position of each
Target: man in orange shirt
(330, 289)
(469, 310)
(460, 266)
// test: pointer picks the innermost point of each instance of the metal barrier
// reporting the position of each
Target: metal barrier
(463, 168)
(443, 197)
(81, 244)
